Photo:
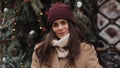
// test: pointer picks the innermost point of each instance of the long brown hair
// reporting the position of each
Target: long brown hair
(46, 51)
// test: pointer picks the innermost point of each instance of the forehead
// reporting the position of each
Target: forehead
(60, 20)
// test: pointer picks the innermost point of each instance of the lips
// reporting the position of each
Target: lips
(62, 33)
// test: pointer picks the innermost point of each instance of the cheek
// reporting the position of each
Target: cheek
(67, 28)
(54, 30)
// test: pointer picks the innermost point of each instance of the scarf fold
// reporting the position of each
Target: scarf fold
(59, 44)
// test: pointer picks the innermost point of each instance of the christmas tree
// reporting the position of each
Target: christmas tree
(21, 27)
(84, 23)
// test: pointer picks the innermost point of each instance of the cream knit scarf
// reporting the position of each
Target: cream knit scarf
(59, 44)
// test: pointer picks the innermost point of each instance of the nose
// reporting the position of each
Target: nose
(60, 27)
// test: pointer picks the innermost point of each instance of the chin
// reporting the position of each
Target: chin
(61, 36)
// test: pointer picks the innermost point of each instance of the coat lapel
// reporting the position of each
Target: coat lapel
(55, 61)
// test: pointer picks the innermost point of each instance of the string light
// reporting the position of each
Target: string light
(5, 2)
(17, 11)
(41, 13)
(13, 29)
(41, 27)
(14, 23)
(38, 20)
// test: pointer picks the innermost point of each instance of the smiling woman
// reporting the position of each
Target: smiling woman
(60, 27)
(64, 46)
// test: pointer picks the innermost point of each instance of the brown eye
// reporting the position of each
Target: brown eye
(54, 25)
(63, 22)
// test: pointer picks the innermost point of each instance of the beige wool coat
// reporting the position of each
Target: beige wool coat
(87, 59)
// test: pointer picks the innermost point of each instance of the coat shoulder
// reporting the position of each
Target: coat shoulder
(85, 46)
(38, 45)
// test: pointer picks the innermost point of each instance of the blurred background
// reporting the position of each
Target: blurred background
(23, 24)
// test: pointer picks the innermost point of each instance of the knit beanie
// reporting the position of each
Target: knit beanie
(60, 11)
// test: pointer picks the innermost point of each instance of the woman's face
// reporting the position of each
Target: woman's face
(60, 28)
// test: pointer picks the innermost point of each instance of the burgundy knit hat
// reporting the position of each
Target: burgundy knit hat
(60, 11)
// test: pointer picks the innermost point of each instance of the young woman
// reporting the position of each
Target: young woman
(64, 46)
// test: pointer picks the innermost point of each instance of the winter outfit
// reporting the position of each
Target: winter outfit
(87, 57)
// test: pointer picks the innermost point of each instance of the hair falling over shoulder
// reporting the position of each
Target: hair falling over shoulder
(45, 51)
(75, 39)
